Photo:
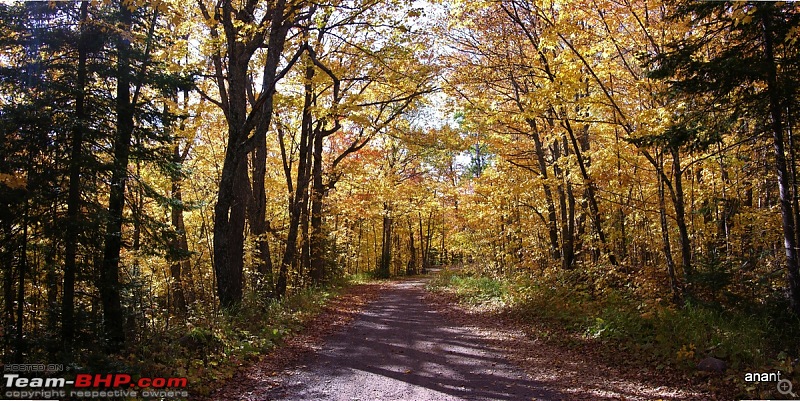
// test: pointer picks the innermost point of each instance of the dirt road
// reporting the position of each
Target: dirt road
(399, 348)
(396, 341)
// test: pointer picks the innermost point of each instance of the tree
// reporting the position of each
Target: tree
(43, 90)
(753, 52)
(242, 36)
(353, 88)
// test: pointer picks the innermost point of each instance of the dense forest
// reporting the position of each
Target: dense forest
(167, 165)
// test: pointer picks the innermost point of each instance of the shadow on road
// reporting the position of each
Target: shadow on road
(400, 349)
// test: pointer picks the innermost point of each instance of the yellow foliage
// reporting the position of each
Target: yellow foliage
(13, 181)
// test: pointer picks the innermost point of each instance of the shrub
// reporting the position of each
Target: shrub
(658, 335)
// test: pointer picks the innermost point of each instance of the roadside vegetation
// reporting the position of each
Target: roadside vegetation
(573, 309)
(211, 347)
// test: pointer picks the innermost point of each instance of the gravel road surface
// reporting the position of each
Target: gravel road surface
(399, 348)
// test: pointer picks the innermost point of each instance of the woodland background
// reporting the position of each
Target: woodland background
(198, 176)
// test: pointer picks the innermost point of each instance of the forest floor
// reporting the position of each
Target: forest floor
(397, 341)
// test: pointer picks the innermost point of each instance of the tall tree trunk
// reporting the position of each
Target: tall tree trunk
(179, 246)
(423, 250)
(229, 216)
(317, 197)
(229, 223)
(299, 197)
(136, 200)
(590, 192)
(258, 205)
(575, 228)
(290, 251)
(74, 192)
(785, 190)
(23, 270)
(305, 224)
(304, 271)
(386, 247)
(443, 253)
(622, 247)
(53, 314)
(358, 245)
(374, 237)
(567, 212)
(109, 286)
(680, 214)
(428, 241)
(425, 242)
(793, 172)
(411, 268)
(552, 227)
(6, 258)
(667, 248)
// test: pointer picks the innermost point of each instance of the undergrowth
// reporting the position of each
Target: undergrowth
(475, 290)
(209, 349)
(656, 335)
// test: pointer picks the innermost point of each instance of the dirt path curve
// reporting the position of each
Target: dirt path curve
(400, 348)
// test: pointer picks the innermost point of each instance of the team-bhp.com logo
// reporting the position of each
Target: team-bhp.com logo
(94, 386)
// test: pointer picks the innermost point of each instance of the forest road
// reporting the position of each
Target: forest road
(400, 348)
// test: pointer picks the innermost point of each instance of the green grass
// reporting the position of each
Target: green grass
(471, 288)
(361, 278)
